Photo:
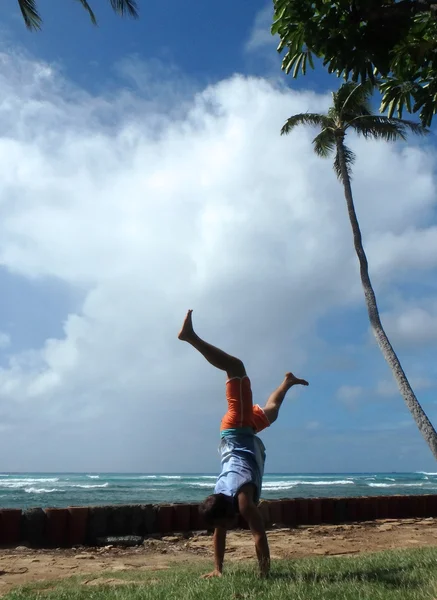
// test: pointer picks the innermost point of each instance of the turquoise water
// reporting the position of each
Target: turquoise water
(22, 490)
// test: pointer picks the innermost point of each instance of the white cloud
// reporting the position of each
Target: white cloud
(148, 211)
(349, 395)
(414, 249)
(349, 391)
(260, 36)
(5, 340)
(388, 388)
(412, 325)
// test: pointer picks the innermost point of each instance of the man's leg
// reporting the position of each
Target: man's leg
(275, 400)
(233, 366)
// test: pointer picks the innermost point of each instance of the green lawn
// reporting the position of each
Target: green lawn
(397, 575)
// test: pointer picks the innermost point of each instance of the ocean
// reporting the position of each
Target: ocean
(24, 490)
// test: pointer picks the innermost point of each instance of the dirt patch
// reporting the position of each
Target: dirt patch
(22, 565)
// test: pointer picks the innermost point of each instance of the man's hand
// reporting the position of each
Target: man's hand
(214, 573)
(264, 569)
(219, 552)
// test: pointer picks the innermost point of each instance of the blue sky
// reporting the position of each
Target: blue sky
(143, 175)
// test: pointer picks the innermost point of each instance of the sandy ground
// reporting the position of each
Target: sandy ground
(22, 565)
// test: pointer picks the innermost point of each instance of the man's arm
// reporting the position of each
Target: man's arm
(257, 528)
(250, 512)
(219, 552)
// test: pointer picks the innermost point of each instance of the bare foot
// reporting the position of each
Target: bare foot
(291, 380)
(187, 330)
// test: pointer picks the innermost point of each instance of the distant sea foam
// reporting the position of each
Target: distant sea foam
(66, 489)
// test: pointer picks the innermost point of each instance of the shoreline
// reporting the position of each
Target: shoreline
(61, 490)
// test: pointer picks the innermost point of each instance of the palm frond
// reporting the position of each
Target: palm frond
(351, 110)
(30, 14)
(125, 7)
(413, 126)
(353, 99)
(324, 143)
(385, 128)
(313, 119)
(33, 21)
(349, 158)
(89, 10)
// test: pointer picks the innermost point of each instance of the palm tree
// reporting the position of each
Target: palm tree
(33, 20)
(351, 111)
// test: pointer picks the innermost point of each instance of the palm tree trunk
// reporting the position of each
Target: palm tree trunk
(422, 421)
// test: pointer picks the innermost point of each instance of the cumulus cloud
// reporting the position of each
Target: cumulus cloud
(313, 425)
(413, 325)
(5, 340)
(349, 395)
(388, 388)
(260, 37)
(146, 210)
(412, 250)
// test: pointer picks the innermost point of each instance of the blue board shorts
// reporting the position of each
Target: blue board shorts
(243, 457)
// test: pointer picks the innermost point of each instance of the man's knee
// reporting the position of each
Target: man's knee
(271, 414)
(236, 368)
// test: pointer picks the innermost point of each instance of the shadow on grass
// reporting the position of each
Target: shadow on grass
(391, 577)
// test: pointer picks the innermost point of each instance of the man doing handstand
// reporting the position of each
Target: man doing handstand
(238, 486)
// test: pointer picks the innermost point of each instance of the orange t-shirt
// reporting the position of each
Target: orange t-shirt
(241, 411)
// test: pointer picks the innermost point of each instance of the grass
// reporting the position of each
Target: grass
(400, 575)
